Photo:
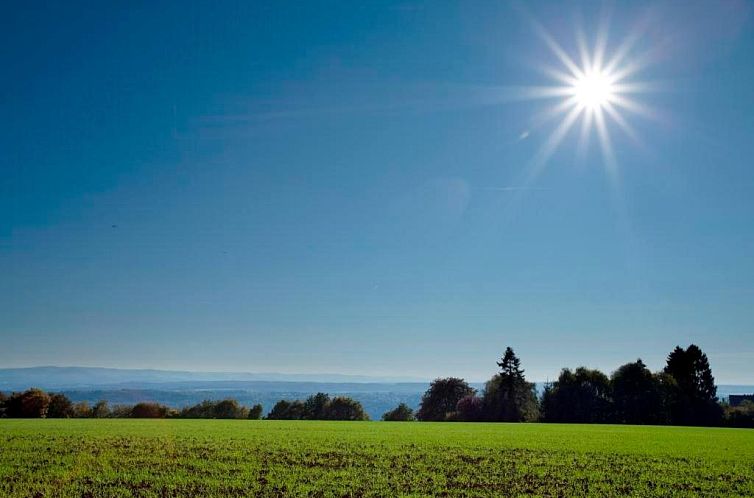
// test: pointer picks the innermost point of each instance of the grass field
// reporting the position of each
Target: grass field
(121, 457)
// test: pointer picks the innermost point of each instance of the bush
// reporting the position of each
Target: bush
(255, 412)
(401, 413)
(60, 406)
(739, 416)
(205, 409)
(32, 403)
(149, 410)
(82, 410)
(229, 408)
(121, 411)
(344, 408)
(319, 405)
(287, 410)
(315, 406)
(101, 409)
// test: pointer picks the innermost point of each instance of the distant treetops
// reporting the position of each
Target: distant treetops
(683, 393)
(318, 407)
(35, 403)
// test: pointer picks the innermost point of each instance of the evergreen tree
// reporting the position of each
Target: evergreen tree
(507, 396)
(510, 366)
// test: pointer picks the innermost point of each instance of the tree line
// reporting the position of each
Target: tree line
(682, 393)
(36, 403)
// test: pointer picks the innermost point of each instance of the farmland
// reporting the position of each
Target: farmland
(123, 457)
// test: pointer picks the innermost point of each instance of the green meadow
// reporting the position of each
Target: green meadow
(124, 457)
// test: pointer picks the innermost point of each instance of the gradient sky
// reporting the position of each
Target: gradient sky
(341, 187)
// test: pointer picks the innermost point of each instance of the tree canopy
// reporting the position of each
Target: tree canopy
(440, 400)
(580, 396)
(401, 413)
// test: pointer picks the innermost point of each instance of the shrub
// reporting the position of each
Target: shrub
(32, 403)
(60, 406)
(255, 412)
(401, 413)
(287, 410)
(149, 410)
(344, 408)
(229, 408)
(101, 409)
(739, 416)
(82, 410)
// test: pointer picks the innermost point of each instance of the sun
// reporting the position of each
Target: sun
(593, 87)
(593, 90)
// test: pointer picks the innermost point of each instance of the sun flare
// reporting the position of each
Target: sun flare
(593, 87)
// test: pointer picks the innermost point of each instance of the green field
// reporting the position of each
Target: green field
(120, 457)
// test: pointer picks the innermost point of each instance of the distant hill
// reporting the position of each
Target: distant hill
(181, 388)
(50, 377)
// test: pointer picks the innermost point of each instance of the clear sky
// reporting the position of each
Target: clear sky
(363, 187)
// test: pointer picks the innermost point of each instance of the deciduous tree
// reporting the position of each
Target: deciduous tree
(255, 412)
(401, 413)
(60, 406)
(344, 408)
(440, 400)
(583, 396)
(638, 395)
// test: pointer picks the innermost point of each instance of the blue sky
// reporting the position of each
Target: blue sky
(340, 187)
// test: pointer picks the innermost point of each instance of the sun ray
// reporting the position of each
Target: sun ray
(625, 48)
(545, 92)
(632, 67)
(562, 76)
(636, 87)
(611, 166)
(621, 121)
(558, 51)
(585, 134)
(586, 62)
(633, 106)
(553, 112)
(552, 143)
(600, 44)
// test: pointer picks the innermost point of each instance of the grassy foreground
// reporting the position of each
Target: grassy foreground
(114, 457)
